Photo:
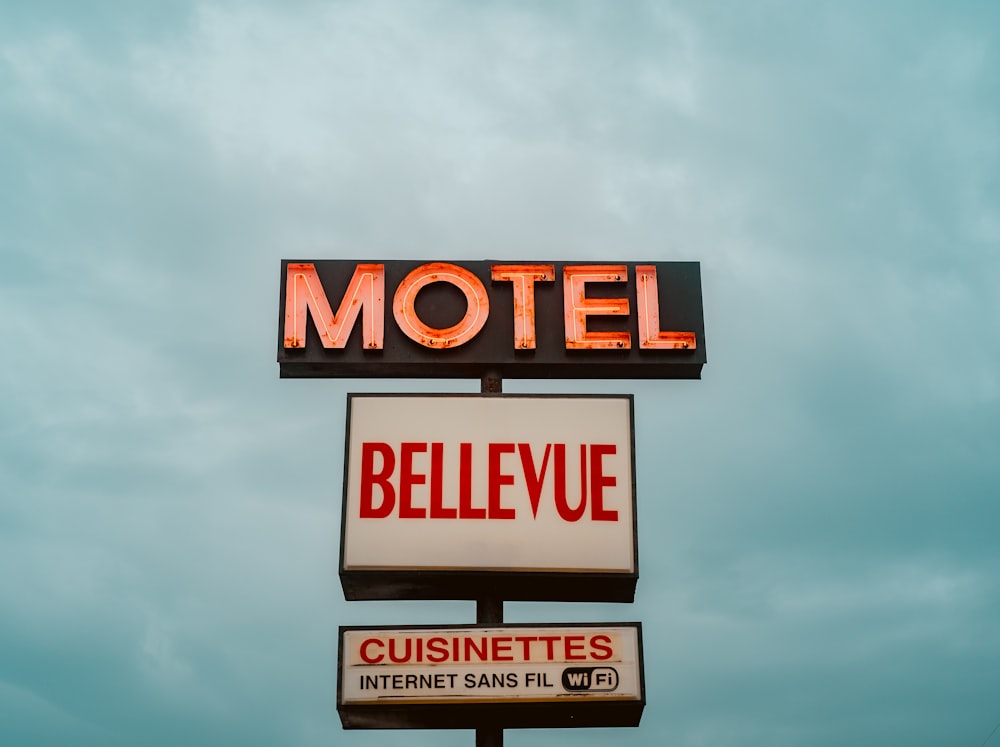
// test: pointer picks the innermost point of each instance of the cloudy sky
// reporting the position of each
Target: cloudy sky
(820, 515)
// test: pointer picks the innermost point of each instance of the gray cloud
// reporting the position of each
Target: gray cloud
(817, 531)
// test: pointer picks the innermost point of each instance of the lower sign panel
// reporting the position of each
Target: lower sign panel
(529, 496)
(510, 676)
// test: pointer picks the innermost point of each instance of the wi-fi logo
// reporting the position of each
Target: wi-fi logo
(590, 679)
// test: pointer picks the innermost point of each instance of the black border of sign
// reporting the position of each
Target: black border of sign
(513, 585)
(571, 713)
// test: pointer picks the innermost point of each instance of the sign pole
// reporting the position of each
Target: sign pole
(489, 609)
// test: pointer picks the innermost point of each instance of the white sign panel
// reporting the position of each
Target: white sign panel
(496, 483)
(577, 665)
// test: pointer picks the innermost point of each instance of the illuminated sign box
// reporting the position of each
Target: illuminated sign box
(474, 676)
(348, 318)
(529, 496)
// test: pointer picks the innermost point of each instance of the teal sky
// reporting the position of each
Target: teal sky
(819, 516)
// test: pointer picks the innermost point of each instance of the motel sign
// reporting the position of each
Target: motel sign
(490, 497)
(343, 318)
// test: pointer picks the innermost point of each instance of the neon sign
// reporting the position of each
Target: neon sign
(580, 320)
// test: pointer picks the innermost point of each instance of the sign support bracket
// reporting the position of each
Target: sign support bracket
(489, 609)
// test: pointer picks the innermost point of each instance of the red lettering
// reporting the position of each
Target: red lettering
(498, 479)
(465, 507)
(481, 650)
(304, 295)
(648, 303)
(532, 479)
(476, 313)
(559, 484)
(437, 650)
(363, 305)
(573, 644)
(380, 495)
(599, 650)
(407, 479)
(438, 510)
(562, 505)
(394, 656)
(578, 306)
(599, 481)
(364, 651)
(525, 640)
(523, 278)
(501, 648)
(550, 647)
(370, 478)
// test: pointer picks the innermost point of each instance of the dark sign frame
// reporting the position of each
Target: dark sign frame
(571, 713)
(514, 585)
(492, 350)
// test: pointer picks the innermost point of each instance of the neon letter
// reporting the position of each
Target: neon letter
(648, 298)
(523, 277)
(304, 295)
(476, 312)
(577, 307)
